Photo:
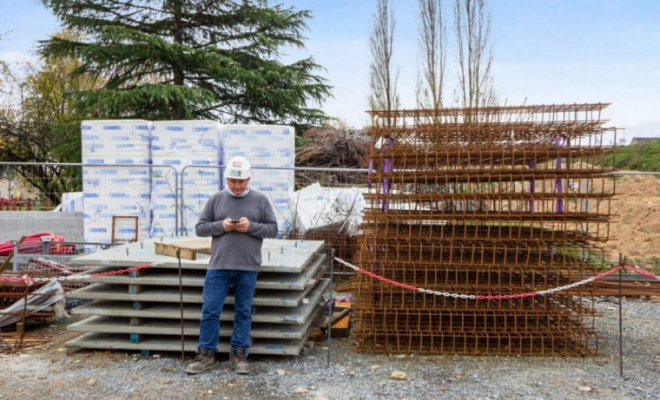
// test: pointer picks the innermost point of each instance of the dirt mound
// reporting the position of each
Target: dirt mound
(635, 230)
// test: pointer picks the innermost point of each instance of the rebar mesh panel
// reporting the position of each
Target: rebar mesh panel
(491, 201)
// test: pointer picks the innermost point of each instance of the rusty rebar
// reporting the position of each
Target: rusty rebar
(492, 201)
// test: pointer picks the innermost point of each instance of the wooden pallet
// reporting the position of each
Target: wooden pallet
(188, 247)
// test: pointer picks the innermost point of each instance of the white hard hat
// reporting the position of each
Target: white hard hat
(238, 168)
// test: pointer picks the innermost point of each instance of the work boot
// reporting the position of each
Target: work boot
(203, 361)
(239, 362)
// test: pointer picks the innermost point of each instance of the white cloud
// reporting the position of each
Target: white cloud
(17, 57)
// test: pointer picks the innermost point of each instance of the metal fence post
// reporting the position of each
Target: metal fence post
(45, 240)
(178, 215)
(15, 258)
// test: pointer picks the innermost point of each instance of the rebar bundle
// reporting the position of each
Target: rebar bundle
(491, 201)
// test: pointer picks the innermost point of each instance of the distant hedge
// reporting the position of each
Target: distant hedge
(639, 157)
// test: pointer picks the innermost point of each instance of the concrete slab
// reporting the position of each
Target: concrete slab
(109, 341)
(169, 294)
(289, 256)
(195, 278)
(276, 315)
(190, 328)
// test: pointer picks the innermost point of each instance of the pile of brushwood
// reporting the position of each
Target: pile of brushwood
(329, 147)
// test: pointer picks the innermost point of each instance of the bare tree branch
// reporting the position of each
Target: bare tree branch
(432, 54)
(383, 76)
(474, 54)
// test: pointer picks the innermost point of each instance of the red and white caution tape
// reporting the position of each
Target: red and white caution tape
(495, 297)
(78, 277)
(372, 275)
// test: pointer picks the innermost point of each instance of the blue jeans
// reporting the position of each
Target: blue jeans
(216, 287)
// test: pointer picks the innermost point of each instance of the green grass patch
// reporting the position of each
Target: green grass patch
(638, 157)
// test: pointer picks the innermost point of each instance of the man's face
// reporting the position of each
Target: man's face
(238, 186)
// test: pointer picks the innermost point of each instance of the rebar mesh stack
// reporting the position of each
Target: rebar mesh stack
(491, 201)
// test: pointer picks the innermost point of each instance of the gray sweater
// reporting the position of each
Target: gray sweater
(237, 250)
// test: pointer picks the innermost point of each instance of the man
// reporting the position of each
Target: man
(238, 219)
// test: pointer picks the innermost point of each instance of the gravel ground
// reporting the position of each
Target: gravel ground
(56, 373)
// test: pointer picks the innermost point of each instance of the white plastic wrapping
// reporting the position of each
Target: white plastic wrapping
(37, 301)
(192, 148)
(270, 150)
(72, 202)
(316, 206)
(116, 191)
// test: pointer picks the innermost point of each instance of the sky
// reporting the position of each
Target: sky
(545, 52)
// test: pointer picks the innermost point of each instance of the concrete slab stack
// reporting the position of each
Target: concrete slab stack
(142, 310)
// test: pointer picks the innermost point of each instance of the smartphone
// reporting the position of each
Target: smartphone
(235, 221)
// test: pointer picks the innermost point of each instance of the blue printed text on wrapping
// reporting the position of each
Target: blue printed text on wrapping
(203, 172)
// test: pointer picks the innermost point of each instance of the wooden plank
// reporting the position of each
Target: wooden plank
(167, 249)
(188, 247)
(336, 316)
(343, 304)
(342, 327)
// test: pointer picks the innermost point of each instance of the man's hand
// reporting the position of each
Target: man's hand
(243, 225)
(228, 226)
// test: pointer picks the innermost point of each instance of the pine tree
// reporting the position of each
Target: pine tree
(189, 59)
